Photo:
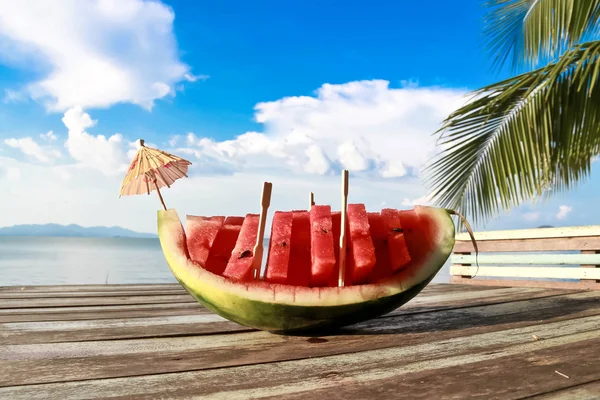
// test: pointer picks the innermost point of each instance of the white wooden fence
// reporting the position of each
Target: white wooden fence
(543, 267)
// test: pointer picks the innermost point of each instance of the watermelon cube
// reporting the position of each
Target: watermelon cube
(279, 247)
(360, 244)
(414, 227)
(239, 267)
(322, 248)
(382, 268)
(300, 261)
(399, 256)
(201, 233)
(223, 245)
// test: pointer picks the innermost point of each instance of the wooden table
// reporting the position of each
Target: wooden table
(156, 342)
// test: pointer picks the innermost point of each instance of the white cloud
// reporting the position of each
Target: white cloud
(423, 201)
(98, 152)
(194, 78)
(365, 126)
(563, 212)
(94, 53)
(13, 174)
(49, 136)
(31, 148)
(382, 134)
(531, 216)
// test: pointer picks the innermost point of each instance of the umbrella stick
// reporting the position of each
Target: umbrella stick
(343, 229)
(258, 248)
(311, 200)
(159, 195)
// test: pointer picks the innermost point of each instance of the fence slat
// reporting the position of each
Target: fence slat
(529, 259)
(568, 231)
(526, 272)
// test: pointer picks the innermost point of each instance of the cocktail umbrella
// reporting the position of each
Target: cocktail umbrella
(152, 169)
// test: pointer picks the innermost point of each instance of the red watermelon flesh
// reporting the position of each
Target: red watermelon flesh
(382, 268)
(399, 255)
(279, 247)
(239, 267)
(360, 243)
(299, 264)
(223, 245)
(416, 230)
(322, 249)
(202, 232)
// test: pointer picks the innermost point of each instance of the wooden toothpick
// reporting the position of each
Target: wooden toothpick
(344, 212)
(311, 200)
(258, 248)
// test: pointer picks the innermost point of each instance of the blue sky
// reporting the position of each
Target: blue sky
(247, 91)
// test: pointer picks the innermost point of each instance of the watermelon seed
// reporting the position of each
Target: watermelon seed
(324, 230)
(397, 229)
(284, 244)
(246, 253)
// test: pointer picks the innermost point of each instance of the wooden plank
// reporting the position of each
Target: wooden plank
(63, 295)
(528, 259)
(526, 272)
(109, 359)
(99, 312)
(523, 245)
(62, 331)
(593, 265)
(52, 302)
(426, 301)
(538, 233)
(367, 369)
(582, 285)
(92, 287)
(511, 375)
(586, 391)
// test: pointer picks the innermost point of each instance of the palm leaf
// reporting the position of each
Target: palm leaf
(521, 137)
(534, 31)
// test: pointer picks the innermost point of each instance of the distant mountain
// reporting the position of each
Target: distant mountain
(545, 226)
(71, 231)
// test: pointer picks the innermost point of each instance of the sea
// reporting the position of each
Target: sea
(31, 260)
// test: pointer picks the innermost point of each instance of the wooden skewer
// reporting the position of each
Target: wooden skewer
(258, 248)
(311, 200)
(344, 212)
(159, 195)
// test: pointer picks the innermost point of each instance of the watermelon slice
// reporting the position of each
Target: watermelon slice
(360, 244)
(202, 232)
(223, 244)
(383, 267)
(322, 248)
(292, 308)
(279, 247)
(239, 267)
(399, 256)
(299, 264)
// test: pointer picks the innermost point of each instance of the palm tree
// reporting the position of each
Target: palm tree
(536, 133)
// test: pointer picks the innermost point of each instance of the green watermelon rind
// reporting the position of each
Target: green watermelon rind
(287, 309)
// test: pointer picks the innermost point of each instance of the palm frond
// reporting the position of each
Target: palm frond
(518, 138)
(535, 31)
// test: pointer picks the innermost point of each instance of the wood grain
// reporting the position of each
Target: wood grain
(103, 359)
(582, 285)
(522, 245)
(94, 301)
(451, 341)
(536, 233)
(365, 369)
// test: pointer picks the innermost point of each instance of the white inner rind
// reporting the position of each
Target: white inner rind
(218, 290)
